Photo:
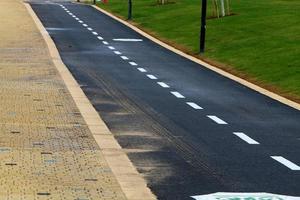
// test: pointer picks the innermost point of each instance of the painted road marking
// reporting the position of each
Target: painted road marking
(117, 52)
(104, 42)
(110, 47)
(133, 63)
(85, 25)
(127, 40)
(245, 137)
(194, 105)
(151, 76)
(124, 58)
(95, 33)
(100, 38)
(178, 95)
(90, 29)
(77, 18)
(216, 119)
(286, 162)
(142, 69)
(162, 84)
(80, 21)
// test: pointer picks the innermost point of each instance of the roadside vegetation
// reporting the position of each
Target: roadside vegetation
(259, 41)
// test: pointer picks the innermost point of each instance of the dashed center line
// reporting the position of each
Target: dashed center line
(142, 69)
(90, 29)
(95, 33)
(178, 95)
(124, 58)
(286, 163)
(194, 105)
(104, 42)
(151, 76)
(216, 119)
(100, 38)
(117, 52)
(245, 137)
(112, 48)
(80, 21)
(133, 63)
(162, 84)
(85, 25)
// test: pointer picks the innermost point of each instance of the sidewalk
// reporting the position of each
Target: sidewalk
(47, 150)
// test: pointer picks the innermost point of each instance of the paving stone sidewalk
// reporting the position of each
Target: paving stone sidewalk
(46, 149)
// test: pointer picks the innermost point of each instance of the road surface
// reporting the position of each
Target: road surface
(188, 130)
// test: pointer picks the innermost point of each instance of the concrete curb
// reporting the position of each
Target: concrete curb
(131, 182)
(211, 67)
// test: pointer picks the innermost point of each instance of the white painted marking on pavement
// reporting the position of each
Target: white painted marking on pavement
(104, 42)
(178, 95)
(117, 52)
(95, 33)
(133, 63)
(111, 47)
(127, 40)
(162, 84)
(194, 105)
(80, 21)
(216, 119)
(100, 38)
(286, 163)
(245, 137)
(151, 76)
(141, 69)
(90, 29)
(77, 18)
(124, 58)
(85, 25)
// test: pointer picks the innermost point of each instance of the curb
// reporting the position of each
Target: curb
(204, 64)
(132, 184)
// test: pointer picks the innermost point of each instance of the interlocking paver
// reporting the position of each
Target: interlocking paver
(46, 148)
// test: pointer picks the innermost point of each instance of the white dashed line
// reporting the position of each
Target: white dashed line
(127, 40)
(142, 69)
(194, 105)
(245, 137)
(85, 25)
(77, 18)
(80, 21)
(133, 63)
(100, 38)
(178, 95)
(124, 58)
(90, 29)
(104, 42)
(162, 84)
(112, 48)
(216, 119)
(286, 162)
(95, 33)
(117, 52)
(151, 76)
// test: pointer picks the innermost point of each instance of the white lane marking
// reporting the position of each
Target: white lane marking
(216, 119)
(95, 33)
(286, 162)
(151, 76)
(77, 18)
(127, 40)
(68, 11)
(194, 105)
(245, 137)
(104, 42)
(80, 21)
(141, 69)
(133, 63)
(117, 52)
(162, 84)
(85, 25)
(90, 29)
(100, 38)
(112, 48)
(124, 58)
(178, 95)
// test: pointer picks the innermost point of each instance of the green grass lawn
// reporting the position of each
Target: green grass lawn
(260, 42)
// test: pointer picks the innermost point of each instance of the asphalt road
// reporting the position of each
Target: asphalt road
(188, 130)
